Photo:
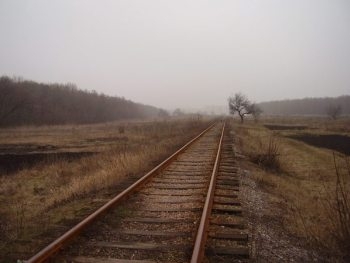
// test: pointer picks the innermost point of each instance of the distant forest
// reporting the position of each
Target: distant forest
(307, 106)
(25, 102)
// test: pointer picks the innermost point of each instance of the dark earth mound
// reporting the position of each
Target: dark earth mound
(10, 163)
(340, 143)
(25, 148)
(285, 127)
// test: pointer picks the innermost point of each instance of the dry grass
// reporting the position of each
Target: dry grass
(51, 196)
(341, 225)
(313, 193)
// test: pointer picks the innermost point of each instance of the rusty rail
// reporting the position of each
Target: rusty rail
(202, 233)
(46, 253)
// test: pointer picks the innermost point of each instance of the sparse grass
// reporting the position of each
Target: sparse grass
(39, 203)
(313, 192)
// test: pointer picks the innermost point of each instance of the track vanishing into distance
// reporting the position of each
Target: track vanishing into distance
(184, 210)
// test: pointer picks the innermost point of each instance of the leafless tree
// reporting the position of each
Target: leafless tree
(334, 111)
(163, 113)
(239, 103)
(178, 112)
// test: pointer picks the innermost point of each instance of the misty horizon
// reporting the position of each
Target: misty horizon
(183, 54)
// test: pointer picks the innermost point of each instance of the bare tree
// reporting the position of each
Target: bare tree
(334, 111)
(178, 112)
(239, 103)
(163, 113)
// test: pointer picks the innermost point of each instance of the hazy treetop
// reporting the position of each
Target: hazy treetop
(181, 53)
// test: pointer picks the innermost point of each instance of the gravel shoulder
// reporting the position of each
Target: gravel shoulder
(269, 240)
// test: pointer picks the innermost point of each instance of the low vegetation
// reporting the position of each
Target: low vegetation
(310, 184)
(40, 202)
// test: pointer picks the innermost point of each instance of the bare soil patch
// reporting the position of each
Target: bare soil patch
(285, 127)
(340, 143)
(11, 163)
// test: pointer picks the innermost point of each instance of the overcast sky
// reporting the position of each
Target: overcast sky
(181, 53)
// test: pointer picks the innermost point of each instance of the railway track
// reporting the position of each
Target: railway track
(184, 210)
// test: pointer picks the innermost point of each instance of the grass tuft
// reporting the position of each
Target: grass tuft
(267, 156)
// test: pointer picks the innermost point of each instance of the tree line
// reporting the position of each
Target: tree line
(24, 102)
(333, 107)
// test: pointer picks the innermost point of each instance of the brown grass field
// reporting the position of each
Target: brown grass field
(300, 167)
(296, 177)
(52, 177)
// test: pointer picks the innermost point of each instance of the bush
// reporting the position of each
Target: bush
(268, 157)
(121, 129)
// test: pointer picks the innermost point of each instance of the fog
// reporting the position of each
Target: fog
(187, 54)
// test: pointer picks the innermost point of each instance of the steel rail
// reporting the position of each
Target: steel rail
(202, 232)
(46, 253)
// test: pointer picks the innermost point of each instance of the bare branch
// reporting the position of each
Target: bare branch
(334, 111)
(240, 104)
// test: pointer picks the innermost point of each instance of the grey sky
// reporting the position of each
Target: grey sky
(181, 53)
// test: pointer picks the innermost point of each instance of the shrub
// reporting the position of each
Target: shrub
(121, 129)
(268, 157)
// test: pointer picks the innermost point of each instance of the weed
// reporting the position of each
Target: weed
(121, 129)
(335, 236)
(268, 156)
(339, 209)
(20, 215)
